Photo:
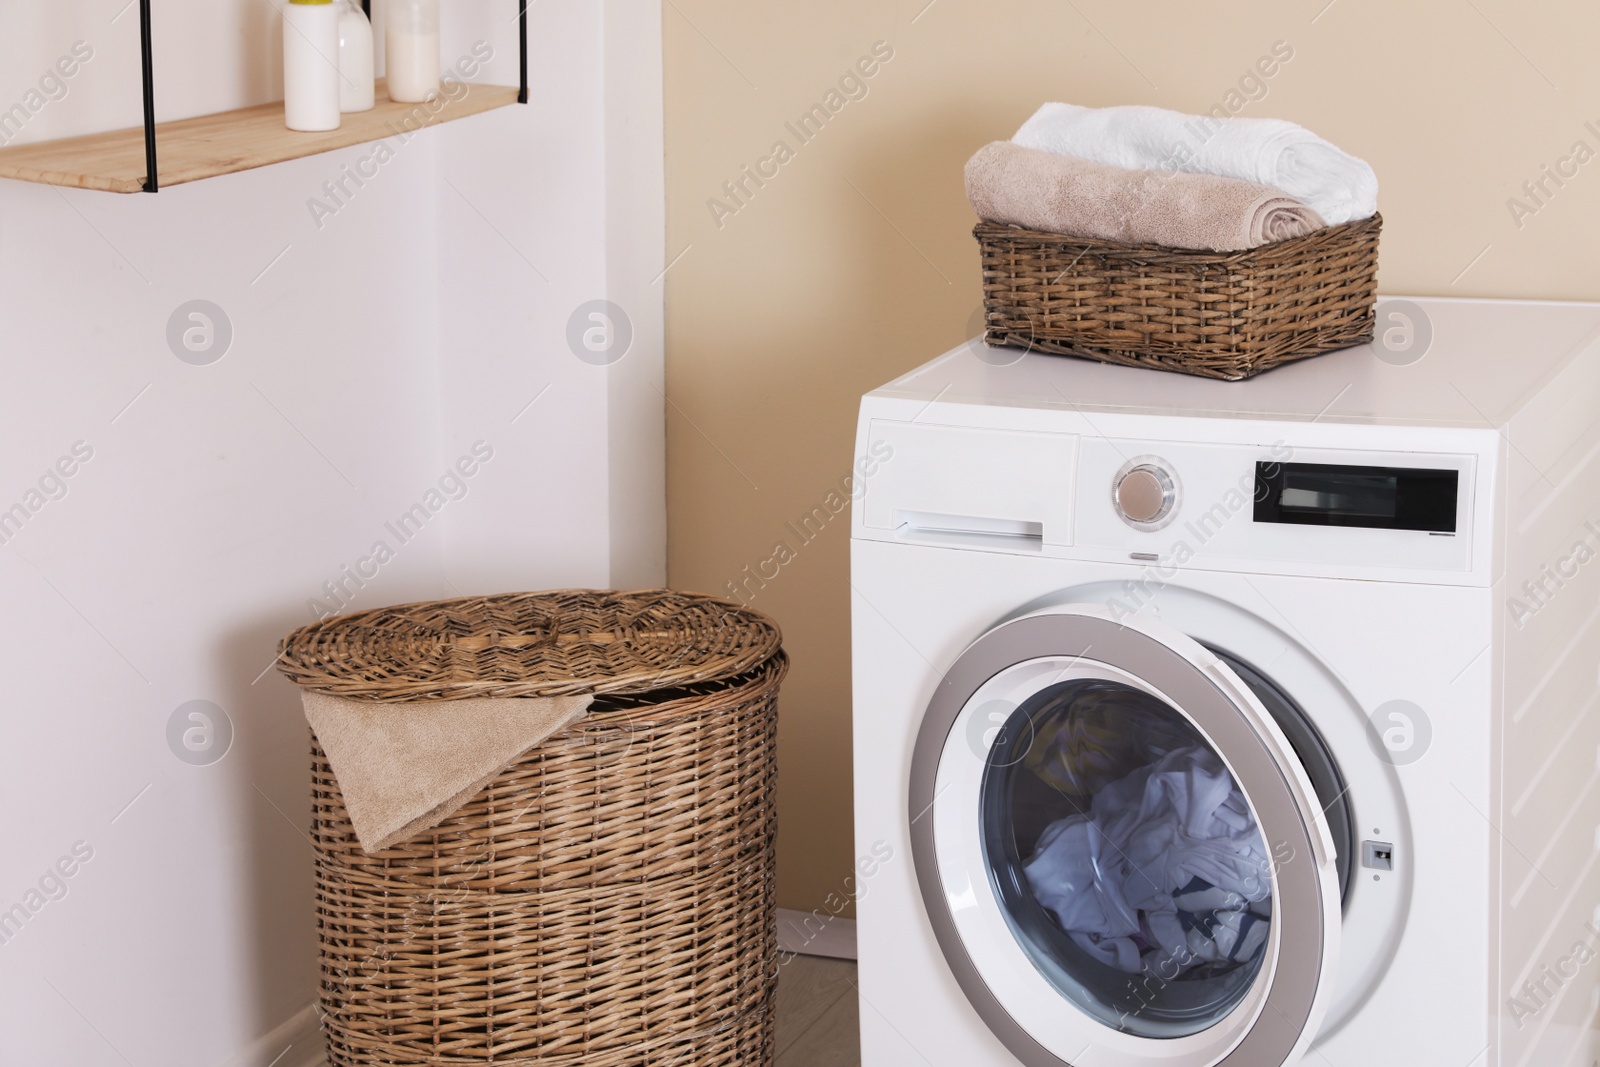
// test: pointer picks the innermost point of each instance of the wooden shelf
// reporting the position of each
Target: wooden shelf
(205, 147)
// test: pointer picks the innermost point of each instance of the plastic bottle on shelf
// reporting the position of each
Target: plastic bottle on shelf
(355, 58)
(311, 65)
(412, 57)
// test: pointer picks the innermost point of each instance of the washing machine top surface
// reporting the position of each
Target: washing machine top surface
(1437, 362)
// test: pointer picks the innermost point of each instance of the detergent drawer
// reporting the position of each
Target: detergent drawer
(935, 483)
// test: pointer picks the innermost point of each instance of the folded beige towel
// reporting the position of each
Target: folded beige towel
(404, 768)
(1064, 194)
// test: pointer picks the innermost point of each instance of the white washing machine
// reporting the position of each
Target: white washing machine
(1234, 723)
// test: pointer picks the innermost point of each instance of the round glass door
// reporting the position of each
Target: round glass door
(1125, 858)
(1121, 855)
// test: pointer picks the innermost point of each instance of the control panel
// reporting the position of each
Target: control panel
(1183, 501)
(1334, 511)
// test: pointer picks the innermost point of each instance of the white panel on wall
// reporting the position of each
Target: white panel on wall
(637, 263)
(223, 493)
(522, 225)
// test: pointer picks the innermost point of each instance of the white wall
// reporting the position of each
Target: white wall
(365, 360)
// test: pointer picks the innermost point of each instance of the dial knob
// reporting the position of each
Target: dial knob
(1145, 495)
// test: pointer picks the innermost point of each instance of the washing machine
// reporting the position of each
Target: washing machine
(1245, 723)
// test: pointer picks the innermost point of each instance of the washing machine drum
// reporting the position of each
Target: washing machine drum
(1122, 850)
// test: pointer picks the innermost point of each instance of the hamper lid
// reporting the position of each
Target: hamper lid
(562, 643)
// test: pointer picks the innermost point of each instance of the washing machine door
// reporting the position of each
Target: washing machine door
(1123, 860)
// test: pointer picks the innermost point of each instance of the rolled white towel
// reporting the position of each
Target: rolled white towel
(1275, 152)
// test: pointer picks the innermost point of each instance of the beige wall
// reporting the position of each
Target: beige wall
(855, 263)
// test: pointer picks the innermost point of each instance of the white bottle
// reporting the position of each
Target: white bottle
(355, 58)
(413, 50)
(311, 65)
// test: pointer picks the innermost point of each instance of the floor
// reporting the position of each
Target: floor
(817, 1021)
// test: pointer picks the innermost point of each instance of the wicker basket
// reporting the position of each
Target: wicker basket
(1217, 314)
(605, 901)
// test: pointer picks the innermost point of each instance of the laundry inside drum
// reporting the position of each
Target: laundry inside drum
(1126, 859)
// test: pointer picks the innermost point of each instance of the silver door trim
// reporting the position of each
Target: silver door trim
(1299, 908)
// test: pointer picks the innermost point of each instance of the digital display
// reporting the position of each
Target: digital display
(1378, 498)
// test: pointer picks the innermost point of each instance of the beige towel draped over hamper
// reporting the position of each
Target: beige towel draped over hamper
(607, 899)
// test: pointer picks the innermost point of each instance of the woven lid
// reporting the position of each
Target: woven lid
(564, 643)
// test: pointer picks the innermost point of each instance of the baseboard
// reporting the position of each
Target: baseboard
(298, 1041)
(816, 933)
(295, 1043)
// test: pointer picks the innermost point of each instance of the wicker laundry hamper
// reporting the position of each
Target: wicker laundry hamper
(606, 900)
